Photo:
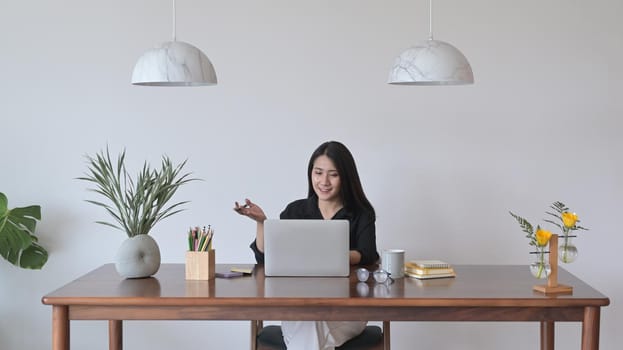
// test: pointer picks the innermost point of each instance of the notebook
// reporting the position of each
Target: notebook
(306, 248)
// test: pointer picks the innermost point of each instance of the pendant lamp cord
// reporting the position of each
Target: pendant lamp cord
(430, 19)
(174, 24)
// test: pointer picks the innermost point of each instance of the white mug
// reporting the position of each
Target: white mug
(393, 261)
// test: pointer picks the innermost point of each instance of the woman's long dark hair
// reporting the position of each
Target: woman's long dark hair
(353, 197)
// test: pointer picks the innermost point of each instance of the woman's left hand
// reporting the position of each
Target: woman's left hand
(251, 210)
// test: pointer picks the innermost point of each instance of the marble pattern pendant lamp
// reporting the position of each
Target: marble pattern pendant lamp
(174, 63)
(432, 62)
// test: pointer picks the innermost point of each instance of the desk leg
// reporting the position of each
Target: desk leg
(547, 335)
(60, 327)
(590, 328)
(256, 326)
(115, 335)
(386, 335)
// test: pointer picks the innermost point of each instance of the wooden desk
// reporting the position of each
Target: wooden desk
(478, 293)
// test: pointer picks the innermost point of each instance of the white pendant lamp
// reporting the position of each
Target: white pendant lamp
(174, 63)
(432, 62)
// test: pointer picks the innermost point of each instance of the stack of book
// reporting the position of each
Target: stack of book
(425, 269)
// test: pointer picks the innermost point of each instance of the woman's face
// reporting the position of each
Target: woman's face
(325, 179)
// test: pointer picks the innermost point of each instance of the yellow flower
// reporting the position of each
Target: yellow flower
(542, 237)
(569, 219)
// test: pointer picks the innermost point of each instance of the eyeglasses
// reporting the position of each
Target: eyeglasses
(380, 275)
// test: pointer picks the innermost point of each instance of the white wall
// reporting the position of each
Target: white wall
(442, 165)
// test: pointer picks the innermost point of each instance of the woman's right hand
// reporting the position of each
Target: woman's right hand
(251, 210)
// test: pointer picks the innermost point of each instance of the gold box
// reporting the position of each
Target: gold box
(200, 265)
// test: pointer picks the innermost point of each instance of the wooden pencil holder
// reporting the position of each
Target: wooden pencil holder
(200, 265)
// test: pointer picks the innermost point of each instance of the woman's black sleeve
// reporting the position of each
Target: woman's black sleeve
(366, 240)
(259, 256)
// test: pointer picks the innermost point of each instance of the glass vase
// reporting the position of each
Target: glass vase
(567, 252)
(540, 268)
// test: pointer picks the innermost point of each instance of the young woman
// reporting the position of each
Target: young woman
(335, 192)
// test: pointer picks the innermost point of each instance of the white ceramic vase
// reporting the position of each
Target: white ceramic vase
(138, 257)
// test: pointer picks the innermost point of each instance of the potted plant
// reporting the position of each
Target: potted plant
(136, 205)
(18, 243)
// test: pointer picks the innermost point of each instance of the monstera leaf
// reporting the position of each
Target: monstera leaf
(18, 244)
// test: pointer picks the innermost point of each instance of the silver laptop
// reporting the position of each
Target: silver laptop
(306, 248)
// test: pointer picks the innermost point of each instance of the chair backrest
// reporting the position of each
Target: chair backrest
(271, 338)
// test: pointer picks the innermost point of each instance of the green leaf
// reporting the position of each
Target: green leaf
(26, 216)
(554, 223)
(33, 257)
(18, 245)
(4, 202)
(525, 225)
(559, 207)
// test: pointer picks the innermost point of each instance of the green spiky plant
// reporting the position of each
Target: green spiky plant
(136, 205)
(18, 243)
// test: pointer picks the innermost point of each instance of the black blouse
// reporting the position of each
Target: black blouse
(362, 228)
